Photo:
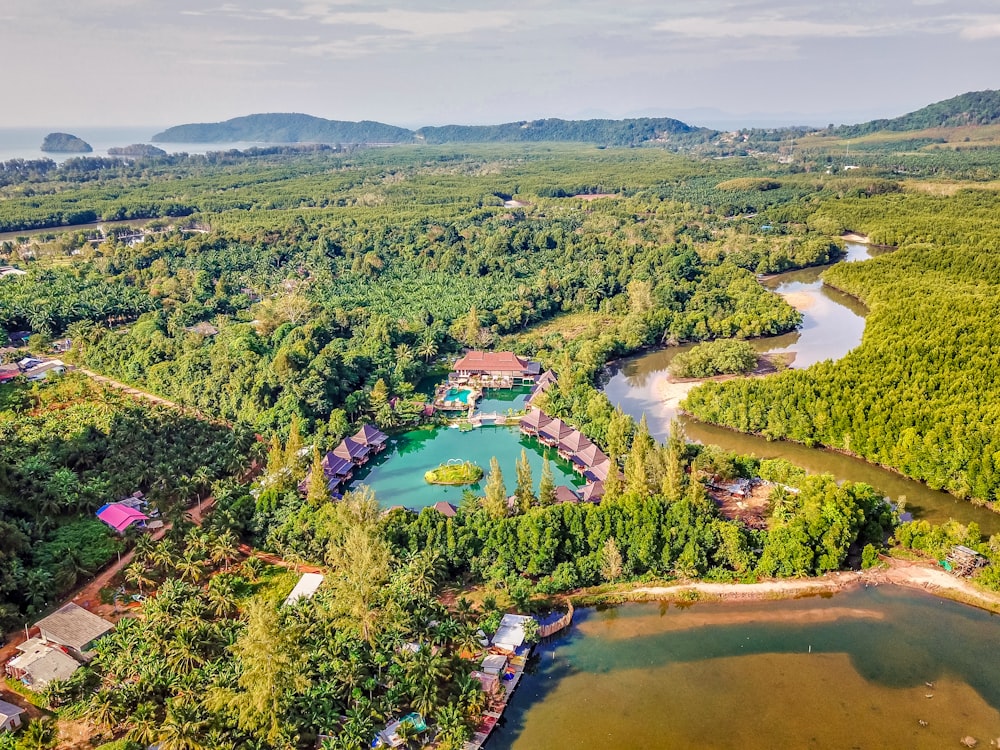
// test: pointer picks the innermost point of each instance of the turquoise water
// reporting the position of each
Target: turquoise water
(462, 395)
(500, 401)
(397, 475)
(859, 669)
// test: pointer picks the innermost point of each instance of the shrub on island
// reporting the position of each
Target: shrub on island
(465, 472)
(724, 357)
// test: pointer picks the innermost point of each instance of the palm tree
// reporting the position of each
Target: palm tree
(142, 725)
(181, 730)
(38, 735)
(136, 575)
(221, 595)
(453, 731)
(223, 548)
(183, 653)
(428, 349)
(104, 710)
(189, 567)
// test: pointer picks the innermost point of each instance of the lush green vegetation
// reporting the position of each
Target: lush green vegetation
(972, 108)
(285, 128)
(465, 472)
(921, 392)
(337, 282)
(66, 449)
(216, 662)
(719, 357)
(64, 143)
(386, 269)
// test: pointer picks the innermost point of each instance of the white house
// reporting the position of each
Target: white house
(10, 716)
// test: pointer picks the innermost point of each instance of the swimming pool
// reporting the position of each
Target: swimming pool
(461, 395)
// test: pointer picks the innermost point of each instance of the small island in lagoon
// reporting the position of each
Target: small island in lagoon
(65, 143)
(455, 472)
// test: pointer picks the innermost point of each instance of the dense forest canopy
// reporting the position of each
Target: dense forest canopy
(921, 392)
(971, 108)
(299, 292)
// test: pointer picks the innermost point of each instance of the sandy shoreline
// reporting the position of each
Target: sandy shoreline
(915, 575)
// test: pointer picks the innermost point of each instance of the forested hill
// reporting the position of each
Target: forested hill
(972, 108)
(285, 128)
(606, 132)
(295, 128)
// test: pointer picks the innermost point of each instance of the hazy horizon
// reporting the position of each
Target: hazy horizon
(100, 63)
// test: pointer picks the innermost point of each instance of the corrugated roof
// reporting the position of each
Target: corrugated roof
(73, 626)
(305, 588)
(7, 710)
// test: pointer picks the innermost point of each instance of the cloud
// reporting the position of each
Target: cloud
(982, 30)
(704, 27)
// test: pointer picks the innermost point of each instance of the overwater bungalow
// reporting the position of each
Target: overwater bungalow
(353, 451)
(533, 421)
(598, 472)
(593, 492)
(372, 437)
(589, 456)
(565, 495)
(573, 444)
(545, 381)
(337, 470)
(553, 432)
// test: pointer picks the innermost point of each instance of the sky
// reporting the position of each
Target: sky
(430, 62)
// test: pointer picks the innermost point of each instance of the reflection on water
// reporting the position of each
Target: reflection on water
(833, 324)
(847, 671)
(397, 476)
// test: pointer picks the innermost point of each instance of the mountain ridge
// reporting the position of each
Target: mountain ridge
(970, 108)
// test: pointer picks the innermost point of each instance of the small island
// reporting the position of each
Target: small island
(455, 473)
(721, 357)
(64, 143)
(136, 150)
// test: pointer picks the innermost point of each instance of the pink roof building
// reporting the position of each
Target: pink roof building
(119, 517)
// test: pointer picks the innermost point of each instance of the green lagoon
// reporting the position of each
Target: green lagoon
(882, 667)
(397, 475)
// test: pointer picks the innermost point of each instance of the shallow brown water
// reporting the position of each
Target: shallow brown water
(849, 671)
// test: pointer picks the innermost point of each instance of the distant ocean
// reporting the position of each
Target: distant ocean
(25, 143)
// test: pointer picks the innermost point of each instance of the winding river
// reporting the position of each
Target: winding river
(832, 325)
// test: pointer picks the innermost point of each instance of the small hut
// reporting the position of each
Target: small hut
(963, 561)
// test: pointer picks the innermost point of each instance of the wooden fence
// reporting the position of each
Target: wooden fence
(552, 628)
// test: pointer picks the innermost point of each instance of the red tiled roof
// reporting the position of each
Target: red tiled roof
(565, 495)
(555, 430)
(491, 362)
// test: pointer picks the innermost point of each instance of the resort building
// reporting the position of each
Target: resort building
(565, 495)
(372, 437)
(554, 432)
(593, 492)
(533, 421)
(588, 456)
(353, 451)
(496, 369)
(545, 381)
(573, 444)
(446, 509)
(598, 472)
